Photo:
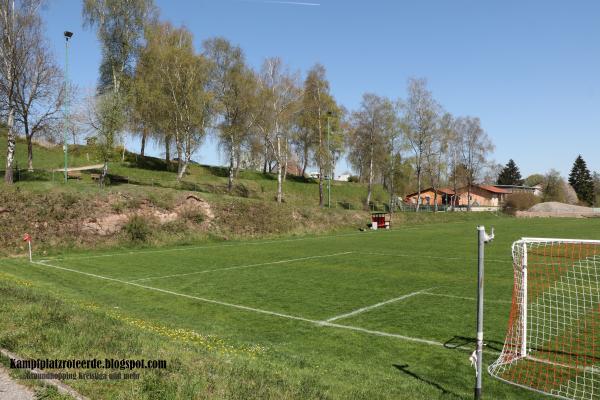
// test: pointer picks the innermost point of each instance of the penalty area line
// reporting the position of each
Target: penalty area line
(242, 266)
(252, 309)
(383, 303)
(465, 298)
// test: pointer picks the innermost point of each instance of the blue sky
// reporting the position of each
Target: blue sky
(529, 69)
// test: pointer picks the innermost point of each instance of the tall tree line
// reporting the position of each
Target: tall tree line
(390, 139)
(154, 84)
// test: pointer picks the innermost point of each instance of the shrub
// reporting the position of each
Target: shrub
(118, 207)
(520, 201)
(137, 228)
(161, 198)
(354, 178)
(192, 214)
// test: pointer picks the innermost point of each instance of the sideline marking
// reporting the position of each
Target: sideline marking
(241, 266)
(434, 257)
(383, 303)
(254, 243)
(256, 310)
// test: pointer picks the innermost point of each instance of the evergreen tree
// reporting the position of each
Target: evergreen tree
(582, 181)
(597, 189)
(510, 174)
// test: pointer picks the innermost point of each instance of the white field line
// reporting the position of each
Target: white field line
(45, 264)
(383, 303)
(465, 298)
(434, 257)
(187, 248)
(255, 310)
(593, 369)
(241, 266)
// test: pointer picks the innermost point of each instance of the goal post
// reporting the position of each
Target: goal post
(552, 342)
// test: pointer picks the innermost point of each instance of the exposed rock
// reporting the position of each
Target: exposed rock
(112, 223)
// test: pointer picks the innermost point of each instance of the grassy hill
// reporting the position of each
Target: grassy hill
(154, 172)
(144, 194)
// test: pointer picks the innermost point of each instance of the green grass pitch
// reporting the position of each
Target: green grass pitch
(380, 314)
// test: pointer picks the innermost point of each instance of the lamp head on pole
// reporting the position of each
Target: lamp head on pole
(68, 35)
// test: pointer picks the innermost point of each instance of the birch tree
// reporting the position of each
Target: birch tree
(421, 113)
(39, 92)
(16, 19)
(475, 146)
(316, 103)
(119, 26)
(181, 98)
(435, 153)
(373, 125)
(281, 98)
(235, 88)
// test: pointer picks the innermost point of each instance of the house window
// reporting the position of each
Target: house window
(427, 200)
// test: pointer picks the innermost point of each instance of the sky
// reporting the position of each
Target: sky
(529, 69)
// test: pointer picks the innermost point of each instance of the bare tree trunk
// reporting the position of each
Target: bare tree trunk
(265, 155)
(305, 161)
(231, 165)
(183, 164)
(168, 151)
(104, 173)
(180, 162)
(238, 157)
(418, 188)
(11, 144)
(285, 162)
(370, 184)
(321, 201)
(144, 135)
(392, 197)
(279, 171)
(320, 156)
(29, 139)
(469, 197)
(29, 152)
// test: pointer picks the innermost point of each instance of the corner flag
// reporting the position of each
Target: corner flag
(27, 238)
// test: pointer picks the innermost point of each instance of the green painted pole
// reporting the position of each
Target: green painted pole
(66, 122)
(330, 164)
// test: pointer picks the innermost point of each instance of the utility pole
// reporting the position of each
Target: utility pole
(68, 35)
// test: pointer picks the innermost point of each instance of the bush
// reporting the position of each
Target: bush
(137, 228)
(192, 214)
(354, 178)
(520, 202)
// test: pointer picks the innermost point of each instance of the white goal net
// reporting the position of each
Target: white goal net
(552, 343)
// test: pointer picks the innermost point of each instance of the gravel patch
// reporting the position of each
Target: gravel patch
(11, 390)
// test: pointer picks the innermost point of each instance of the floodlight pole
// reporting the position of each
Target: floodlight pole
(482, 239)
(330, 163)
(68, 36)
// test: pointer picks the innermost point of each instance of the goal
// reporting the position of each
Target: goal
(552, 343)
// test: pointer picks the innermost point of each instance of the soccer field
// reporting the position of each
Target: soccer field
(378, 314)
